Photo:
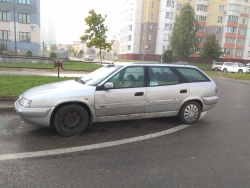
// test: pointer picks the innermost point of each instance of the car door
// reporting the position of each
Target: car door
(164, 92)
(126, 100)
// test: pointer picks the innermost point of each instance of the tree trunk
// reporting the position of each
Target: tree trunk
(101, 55)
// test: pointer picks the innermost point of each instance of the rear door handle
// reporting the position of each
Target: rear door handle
(183, 91)
(139, 93)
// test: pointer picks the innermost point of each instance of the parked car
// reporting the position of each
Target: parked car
(248, 65)
(88, 58)
(217, 66)
(120, 92)
(235, 67)
(181, 63)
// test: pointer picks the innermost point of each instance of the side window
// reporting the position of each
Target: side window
(128, 78)
(160, 76)
(192, 75)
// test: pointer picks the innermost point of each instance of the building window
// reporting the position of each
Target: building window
(24, 37)
(239, 52)
(131, 17)
(32, 28)
(245, 10)
(129, 37)
(242, 31)
(200, 39)
(244, 21)
(234, 7)
(240, 42)
(232, 29)
(218, 30)
(24, 18)
(26, 2)
(201, 18)
(151, 26)
(221, 8)
(152, 16)
(149, 37)
(201, 29)
(220, 18)
(148, 48)
(5, 0)
(167, 37)
(153, 4)
(131, 6)
(130, 27)
(230, 40)
(202, 8)
(4, 35)
(218, 40)
(179, 7)
(198, 50)
(4, 16)
(169, 15)
(228, 51)
(168, 26)
(233, 18)
(146, 4)
(129, 47)
(248, 54)
(170, 3)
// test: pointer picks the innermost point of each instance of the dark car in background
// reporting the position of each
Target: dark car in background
(88, 58)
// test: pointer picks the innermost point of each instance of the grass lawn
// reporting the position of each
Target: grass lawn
(11, 86)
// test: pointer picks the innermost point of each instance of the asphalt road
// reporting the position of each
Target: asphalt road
(215, 152)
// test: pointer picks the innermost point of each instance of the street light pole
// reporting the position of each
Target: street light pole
(15, 25)
(163, 37)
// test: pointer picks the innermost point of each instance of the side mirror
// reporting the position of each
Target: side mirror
(109, 85)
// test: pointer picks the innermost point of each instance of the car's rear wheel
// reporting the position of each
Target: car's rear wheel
(190, 112)
(71, 119)
(240, 71)
(225, 70)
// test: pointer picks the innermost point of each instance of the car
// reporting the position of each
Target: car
(248, 65)
(181, 63)
(88, 58)
(118, 92)
(235, 67)
(217, 66)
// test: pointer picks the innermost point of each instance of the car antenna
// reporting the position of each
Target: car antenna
(114, 61)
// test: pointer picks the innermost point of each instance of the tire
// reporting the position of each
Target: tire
(225, 70)
(216, 69)
(240, 71)
(190, 112)
(71, 120)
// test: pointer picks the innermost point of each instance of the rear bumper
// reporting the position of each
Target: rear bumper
(210, 100)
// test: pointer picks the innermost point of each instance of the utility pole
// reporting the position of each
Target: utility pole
(15, 25)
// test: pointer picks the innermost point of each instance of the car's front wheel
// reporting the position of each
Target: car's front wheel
(216, 69)
(225, 70)
(71, 119)
(190, 112)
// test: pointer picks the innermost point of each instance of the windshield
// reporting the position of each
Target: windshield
(99, 75)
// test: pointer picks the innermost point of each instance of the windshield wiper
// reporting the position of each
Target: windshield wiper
(80, 80)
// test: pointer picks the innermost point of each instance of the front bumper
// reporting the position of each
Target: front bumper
(37, 116)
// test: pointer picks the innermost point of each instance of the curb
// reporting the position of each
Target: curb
(7, 109)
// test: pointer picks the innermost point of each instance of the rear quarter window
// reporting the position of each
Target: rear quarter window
(192, 75)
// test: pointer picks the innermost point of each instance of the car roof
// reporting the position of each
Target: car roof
(152, 64)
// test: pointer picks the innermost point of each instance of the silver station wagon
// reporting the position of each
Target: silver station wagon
(118, 92)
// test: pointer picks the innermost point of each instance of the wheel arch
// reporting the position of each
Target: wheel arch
(196, 100)
(85, 106)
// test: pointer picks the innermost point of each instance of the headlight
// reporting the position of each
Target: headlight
(24, 102)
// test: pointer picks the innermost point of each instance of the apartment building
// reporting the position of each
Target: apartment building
(147, 25)
(20, 25)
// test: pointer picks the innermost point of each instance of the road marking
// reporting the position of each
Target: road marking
(88, 147)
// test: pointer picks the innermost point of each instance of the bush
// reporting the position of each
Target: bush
(29, 53)
(167, 56)
(52, 54)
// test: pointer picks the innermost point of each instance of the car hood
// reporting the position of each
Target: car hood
(58, 89)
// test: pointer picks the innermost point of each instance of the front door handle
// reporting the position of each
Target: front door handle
(183, 91)
(139, 93)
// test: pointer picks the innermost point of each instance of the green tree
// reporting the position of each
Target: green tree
(183, 41)
(71, 49)
(81, 52)
(29, 53)
(2, 47)
(211, 48)
(95, 35)
(52, 54)
(167, 56)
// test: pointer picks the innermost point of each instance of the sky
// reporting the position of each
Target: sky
(70, 14)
